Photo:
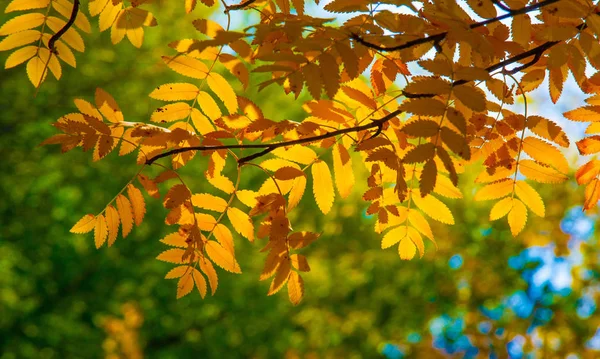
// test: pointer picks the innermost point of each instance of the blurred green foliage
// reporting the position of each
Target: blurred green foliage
(56, 290)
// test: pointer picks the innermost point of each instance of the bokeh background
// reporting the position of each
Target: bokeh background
(481, 293)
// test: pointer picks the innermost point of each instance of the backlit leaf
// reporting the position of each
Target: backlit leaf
(322, 186)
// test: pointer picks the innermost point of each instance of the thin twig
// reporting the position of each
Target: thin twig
(502, 6)
(64, 29)
(441, 36)
(240, 6)
(268, 147)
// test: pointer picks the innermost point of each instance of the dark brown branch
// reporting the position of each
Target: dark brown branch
(64, 29)
(441, 36)
(240, 6)
(268, 147)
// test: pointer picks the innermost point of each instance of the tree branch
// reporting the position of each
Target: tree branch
(240, 6)
(268, 147)
(441, 36)
(64, 29)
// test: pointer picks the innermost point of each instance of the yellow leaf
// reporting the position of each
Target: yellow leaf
(171, 112)
(71, 37)
(84, 225)
(201, 122)
(241, 222)
(322, 186)
(221, 182)
(19, 5)
(126, 214)
(584, 114)
(521, 29)
(19, 56)
(108, 12)
(112, 220)
(494, 190)
(296, 153)
(281, 277)
(445, 187)
(295, 288)
(517, 217)
(501, 208)
(299, 262)
(344, 173)
(540, 172)
(21, 23)
(108, 106)
(589, 145)
(223, 90)
(247, 197)
(19, 39)
(591, 194)
(296, 192)
(394, 236)
(587, 172)
(433, 207)
(544, 152)
(174, 255)
(185, 285)
(208, 105)
(177, 272)
(207, 268)
(37, 71)
(407, 249)
(175, 239)
(100, 231)
(187, 66)
(221, 257)
(548, 130)
(175, 92)
(417, 220)
(210, 202)
(224, 236)
(190, 5)
(200, 282)
(530, 197)
(137, 202)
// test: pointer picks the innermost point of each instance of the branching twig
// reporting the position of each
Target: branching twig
(441, 36)
(240, 6)
(64, 29)
(268, 147)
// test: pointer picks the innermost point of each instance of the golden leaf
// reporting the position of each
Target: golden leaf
(295, 288)
(36, 71)
(177, 272)
(421, 153)
(517, 217)
(19, 56)
(223, 90)
(407, 248)
(540, 172)
(125, 213)
(185, 285)
(281, 277)
(241, 222)
(207, 268)
(21, 23)
(200, 282)
(299, 262)
(495, 190)
(175, 92)
(521, 29)
(530, 197)
(589, 145)
(84, 225)
(470, 96)
(100, 231)
(173, 255)
(19, 5)
(344, 174)
(501, 208)
(221, 257)
(112, 220)
(210, 202)
(544, 152)
(296, 153)
(421, 128)
(433, 207)
(419, 222)
(296, 192)
(187, 66)
(587, 172)
(322, 186)
(394, 236)
(137, 202)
